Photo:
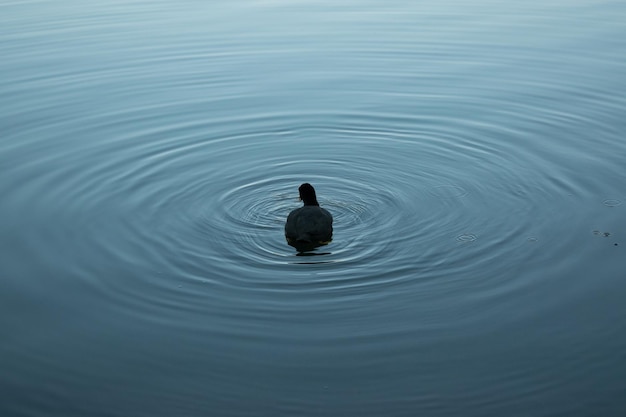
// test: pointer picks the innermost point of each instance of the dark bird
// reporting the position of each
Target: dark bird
(309, 226)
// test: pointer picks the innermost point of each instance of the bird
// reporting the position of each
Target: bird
(309, 226)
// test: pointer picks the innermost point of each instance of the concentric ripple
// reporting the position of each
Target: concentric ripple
(204, 218)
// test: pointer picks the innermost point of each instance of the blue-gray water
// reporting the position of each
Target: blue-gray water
(472, 154)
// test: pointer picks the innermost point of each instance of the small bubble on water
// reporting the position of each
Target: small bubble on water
(612, 202)
(466, 237)
(532, 239)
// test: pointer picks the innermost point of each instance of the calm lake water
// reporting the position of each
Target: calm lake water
(472, 155)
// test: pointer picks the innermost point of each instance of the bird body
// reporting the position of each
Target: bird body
(309, 226)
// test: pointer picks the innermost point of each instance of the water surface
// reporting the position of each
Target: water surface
(472, 155)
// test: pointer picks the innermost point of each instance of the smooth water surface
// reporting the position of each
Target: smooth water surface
(471, 153)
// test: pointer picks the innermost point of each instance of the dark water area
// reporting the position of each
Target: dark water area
(471, 154)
